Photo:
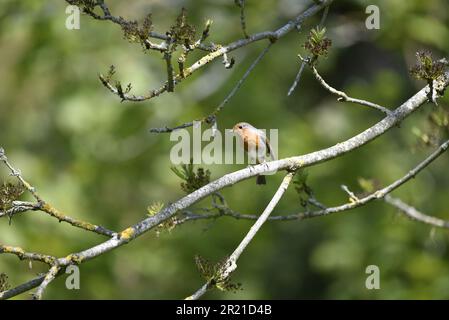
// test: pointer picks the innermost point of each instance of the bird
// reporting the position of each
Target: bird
(256, 144)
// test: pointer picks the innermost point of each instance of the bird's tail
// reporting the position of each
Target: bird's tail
(261, 180)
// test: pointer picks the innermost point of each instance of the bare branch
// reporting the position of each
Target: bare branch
(211, 117)
(354, 202)
(22, 288)
(16, 173)
(46, 207)
(344, 97)
(297, 78)
(415, 214)
(23, 255)
(19, 207)
(49, 277)
(170, 80)
(41, 205)
(303, 63)
(292, 164)
(241, 5)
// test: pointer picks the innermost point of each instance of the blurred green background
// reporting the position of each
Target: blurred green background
(94, 158)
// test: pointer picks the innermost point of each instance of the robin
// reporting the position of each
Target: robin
(256, 144)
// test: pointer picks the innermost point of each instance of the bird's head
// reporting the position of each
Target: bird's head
(240, 127)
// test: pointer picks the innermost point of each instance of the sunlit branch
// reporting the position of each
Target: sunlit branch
(292, 163)
(41, 205)
(218, 52)
(415, 214)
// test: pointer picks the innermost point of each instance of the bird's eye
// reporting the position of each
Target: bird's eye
(240, 127)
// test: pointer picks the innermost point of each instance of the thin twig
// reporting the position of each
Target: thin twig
(415, 214)
(303, 63)
(44, 206)
(170, 80)
(292, 163)
(241, 5)
(16, 173)
(49, 277)
(297, 78)
(23, 255)
(52, 211)
(22, 288)
(19, 207)
(351, 194)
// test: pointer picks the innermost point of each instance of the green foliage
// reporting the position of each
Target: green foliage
(428, 68)
(318, 44)
(4, 285)
(192, 180)
(213, 274)
(9, 192)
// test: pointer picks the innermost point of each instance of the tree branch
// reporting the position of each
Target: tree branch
(220, 51)
(23, 255)
(303, 63)
(344, 97)
(16, 173)
(354, 202)
(241, 5)
(292, 164)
